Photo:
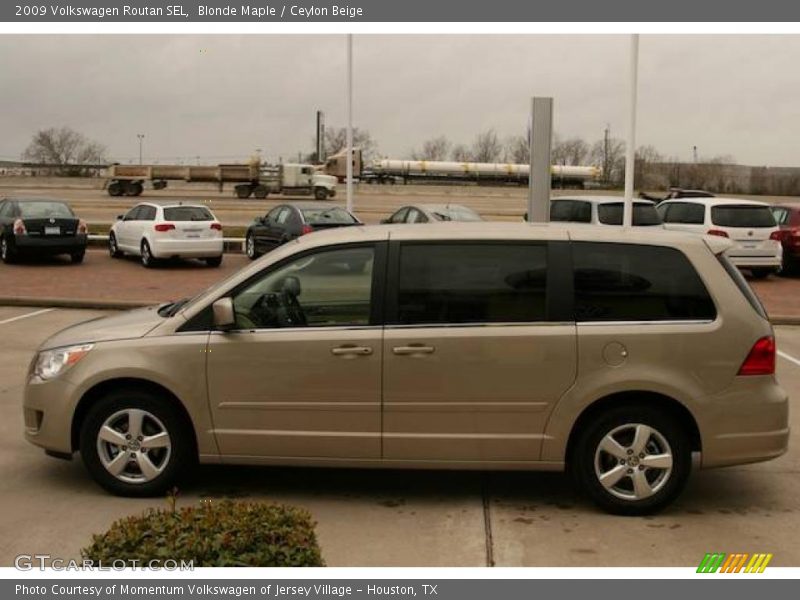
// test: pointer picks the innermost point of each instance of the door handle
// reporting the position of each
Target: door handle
(352, 351)
(405, 350)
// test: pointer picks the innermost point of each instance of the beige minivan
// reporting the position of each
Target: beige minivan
(614, 354)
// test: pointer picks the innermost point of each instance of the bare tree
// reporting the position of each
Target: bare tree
(649, 154)
(487, 147)
(572, 151)
(611, 157)
(64, 148)
(461, 153)
(436, 148)
(336, 140)
(518, 150)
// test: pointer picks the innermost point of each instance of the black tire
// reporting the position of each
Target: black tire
(761, 273)
(134, 189)
(214, 261)
(7, 252)
(243, 191)
(115, 189)
(113, 249)
(320, 193)
(174, 462)
(250, 247)
(146, 255)
(77, 257)
(260, 192)
(668, 484)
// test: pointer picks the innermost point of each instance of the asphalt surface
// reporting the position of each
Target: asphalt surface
(408, 518)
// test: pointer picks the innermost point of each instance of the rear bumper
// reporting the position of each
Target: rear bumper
(747, 423)
(50, 245)
(746, 262)
(187, 248)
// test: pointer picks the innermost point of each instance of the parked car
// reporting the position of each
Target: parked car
(160, 231)
(675, 193)
(431, 213)
(787, 216)
(460, 346)
(601, 210)
(40, 227)
(747, 223)
(286, 222)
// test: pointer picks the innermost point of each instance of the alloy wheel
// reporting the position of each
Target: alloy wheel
(134, 446)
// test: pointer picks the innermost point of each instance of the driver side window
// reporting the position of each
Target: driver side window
(330, 288)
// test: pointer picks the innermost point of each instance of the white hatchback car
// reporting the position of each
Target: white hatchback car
(602, 210)
(154, 231)
(749, 224)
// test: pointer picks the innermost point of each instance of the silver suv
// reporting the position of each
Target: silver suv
(458, 346)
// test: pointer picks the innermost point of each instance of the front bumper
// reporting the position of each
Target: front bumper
(48, 409)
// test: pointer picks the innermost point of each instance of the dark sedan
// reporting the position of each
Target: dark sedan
(787, 216)
(286, 222)
(40, 227)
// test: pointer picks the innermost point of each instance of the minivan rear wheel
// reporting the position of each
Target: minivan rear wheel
(632, 460)
(134, 443)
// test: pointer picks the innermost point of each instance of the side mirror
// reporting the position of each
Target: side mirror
(120, 217)
(224, 316)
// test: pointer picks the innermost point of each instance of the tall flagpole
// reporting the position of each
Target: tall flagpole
(350, 122)
(630, 142)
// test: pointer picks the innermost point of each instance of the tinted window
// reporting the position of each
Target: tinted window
(41, 210)
(133, 213)
(399, 216)
(742, 216)
(742, 284)
(627, 282)
(327, 216)
(455, 212)
(5, 209)
(324, 289)
(187, 213)
(283, 216)
(147, 213)
(472, 283)
(684, 212)
(414, 216)
(571, 211)
(644, 214)
(781, 215)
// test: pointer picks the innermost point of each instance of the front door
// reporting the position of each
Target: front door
(473, 362)
(300, 376)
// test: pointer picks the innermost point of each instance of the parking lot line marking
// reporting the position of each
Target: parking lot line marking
(26, 315)
(790, 358)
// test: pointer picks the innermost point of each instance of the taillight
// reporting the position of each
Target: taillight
(164, 227)
(306, 229)
(794, 235)
(216, 226)
(761, 360)
(717, 232)
(83, 227)
(19, 227)
(776, 235)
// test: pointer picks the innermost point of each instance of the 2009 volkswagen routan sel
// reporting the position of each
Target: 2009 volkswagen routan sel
(468, 346)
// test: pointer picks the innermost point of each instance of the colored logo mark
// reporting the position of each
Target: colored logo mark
(719, 562)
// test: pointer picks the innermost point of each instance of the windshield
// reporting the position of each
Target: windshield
(328, 216)
(743, 215)
(455, 212)
(187, 213)
(43, 210)
(644, 214)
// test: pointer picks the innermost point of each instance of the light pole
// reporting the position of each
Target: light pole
(349, 181)
(141, 138)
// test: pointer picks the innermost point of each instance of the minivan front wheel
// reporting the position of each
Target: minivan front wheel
(632, 460)
(135, 444)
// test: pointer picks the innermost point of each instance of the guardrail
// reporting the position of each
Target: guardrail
(230, 245)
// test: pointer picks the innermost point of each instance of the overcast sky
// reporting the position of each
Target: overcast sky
(221, 97)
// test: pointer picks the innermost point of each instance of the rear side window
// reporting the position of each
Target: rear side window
(472, 283)
(643, 214)
(781, 215)
(148, 213)
(187, 213)
(687, 213)
(571, 211)
(742, 216)
(742, 284)
(325, 216)
(629, 282)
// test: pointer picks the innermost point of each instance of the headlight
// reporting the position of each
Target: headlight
(51, 363)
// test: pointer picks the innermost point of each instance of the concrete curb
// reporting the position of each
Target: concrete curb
(128, 304)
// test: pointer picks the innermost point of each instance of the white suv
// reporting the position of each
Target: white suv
(747, 223)
(153, 232)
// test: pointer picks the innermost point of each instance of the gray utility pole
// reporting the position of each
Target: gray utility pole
(349, 183)
(606, 138)
(539, 174)
(141, 137)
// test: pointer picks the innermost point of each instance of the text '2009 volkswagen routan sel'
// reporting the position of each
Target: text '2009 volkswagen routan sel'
(462, 346)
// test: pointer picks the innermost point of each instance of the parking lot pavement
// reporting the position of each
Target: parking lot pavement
(408, 518)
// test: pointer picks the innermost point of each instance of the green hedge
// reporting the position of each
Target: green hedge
(213, 534)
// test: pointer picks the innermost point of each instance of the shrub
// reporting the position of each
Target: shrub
(213, 534)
